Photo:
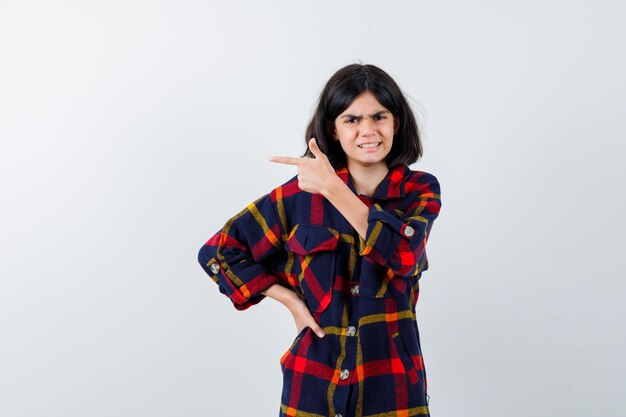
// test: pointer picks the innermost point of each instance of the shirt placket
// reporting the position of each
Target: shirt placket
(348, 386)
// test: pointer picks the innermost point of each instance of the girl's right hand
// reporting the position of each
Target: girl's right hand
(303, 318)
(300, 312)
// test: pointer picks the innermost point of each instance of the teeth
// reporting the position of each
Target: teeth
(369, 145)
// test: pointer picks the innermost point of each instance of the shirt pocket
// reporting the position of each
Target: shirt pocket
(286, 357)
(315, 251)
(377, 281)
(413, 367)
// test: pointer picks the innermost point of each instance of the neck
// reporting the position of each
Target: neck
(366, 178)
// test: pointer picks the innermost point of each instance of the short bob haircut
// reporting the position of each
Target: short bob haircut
(340, 90)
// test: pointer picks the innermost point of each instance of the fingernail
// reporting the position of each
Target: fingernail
(320, 333)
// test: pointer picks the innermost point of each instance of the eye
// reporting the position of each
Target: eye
(351, 120)
(380, 117)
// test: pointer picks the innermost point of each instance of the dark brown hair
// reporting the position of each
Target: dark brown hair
(340, 90)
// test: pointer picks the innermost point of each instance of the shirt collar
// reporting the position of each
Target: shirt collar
(392, 186)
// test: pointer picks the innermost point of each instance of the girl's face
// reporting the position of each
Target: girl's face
(365, 131)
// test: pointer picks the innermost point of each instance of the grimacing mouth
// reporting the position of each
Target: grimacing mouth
(369, 143)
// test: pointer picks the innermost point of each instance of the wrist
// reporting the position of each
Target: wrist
(293, 302)
(332, 186)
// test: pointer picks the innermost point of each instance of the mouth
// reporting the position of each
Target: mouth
(369, 145)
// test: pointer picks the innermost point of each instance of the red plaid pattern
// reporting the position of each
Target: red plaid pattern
(363, 292)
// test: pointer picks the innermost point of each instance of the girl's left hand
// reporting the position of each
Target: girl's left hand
(315, 175)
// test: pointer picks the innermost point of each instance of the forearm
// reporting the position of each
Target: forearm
(283, 295)
(300, 312)
(348, 204)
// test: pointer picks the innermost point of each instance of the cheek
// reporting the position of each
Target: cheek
(345, 146)
(346, 132)
(342, 127)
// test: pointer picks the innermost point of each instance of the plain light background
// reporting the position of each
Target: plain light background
(130, 131)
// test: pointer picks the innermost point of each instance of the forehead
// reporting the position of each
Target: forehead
(364, 103)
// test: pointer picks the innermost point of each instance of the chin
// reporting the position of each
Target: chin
(368, 161)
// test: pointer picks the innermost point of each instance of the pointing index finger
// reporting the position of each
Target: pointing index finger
(285, 160)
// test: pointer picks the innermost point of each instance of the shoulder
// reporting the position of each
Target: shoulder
(286, 190)
(281, 192)
(421, 181)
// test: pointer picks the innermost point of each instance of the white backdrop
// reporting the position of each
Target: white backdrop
(130, 131)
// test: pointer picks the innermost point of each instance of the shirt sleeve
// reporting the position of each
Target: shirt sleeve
(240, 257)
(399, 242)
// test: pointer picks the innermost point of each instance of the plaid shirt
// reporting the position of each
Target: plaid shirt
(361, 291)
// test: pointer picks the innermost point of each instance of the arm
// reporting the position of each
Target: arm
(389, 240)
(238, 257)
(296, 306)
(348, 204)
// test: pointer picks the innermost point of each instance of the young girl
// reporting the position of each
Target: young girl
(342, 246)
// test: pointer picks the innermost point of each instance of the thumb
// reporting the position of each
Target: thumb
(314, 148)
(317, 328)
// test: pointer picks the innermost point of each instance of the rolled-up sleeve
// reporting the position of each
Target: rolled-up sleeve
(399, 242)
(240, 256)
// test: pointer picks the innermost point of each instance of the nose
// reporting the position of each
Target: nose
(366, 127)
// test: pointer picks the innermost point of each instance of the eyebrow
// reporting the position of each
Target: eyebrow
(352, 116)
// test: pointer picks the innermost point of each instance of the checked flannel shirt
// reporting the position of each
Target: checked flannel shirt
(361, 291)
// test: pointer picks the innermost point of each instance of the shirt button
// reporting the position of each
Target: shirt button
(338, 415)
(409, 231)
(215, 268)
(354, 290)
(351, 330)
(344, 374)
